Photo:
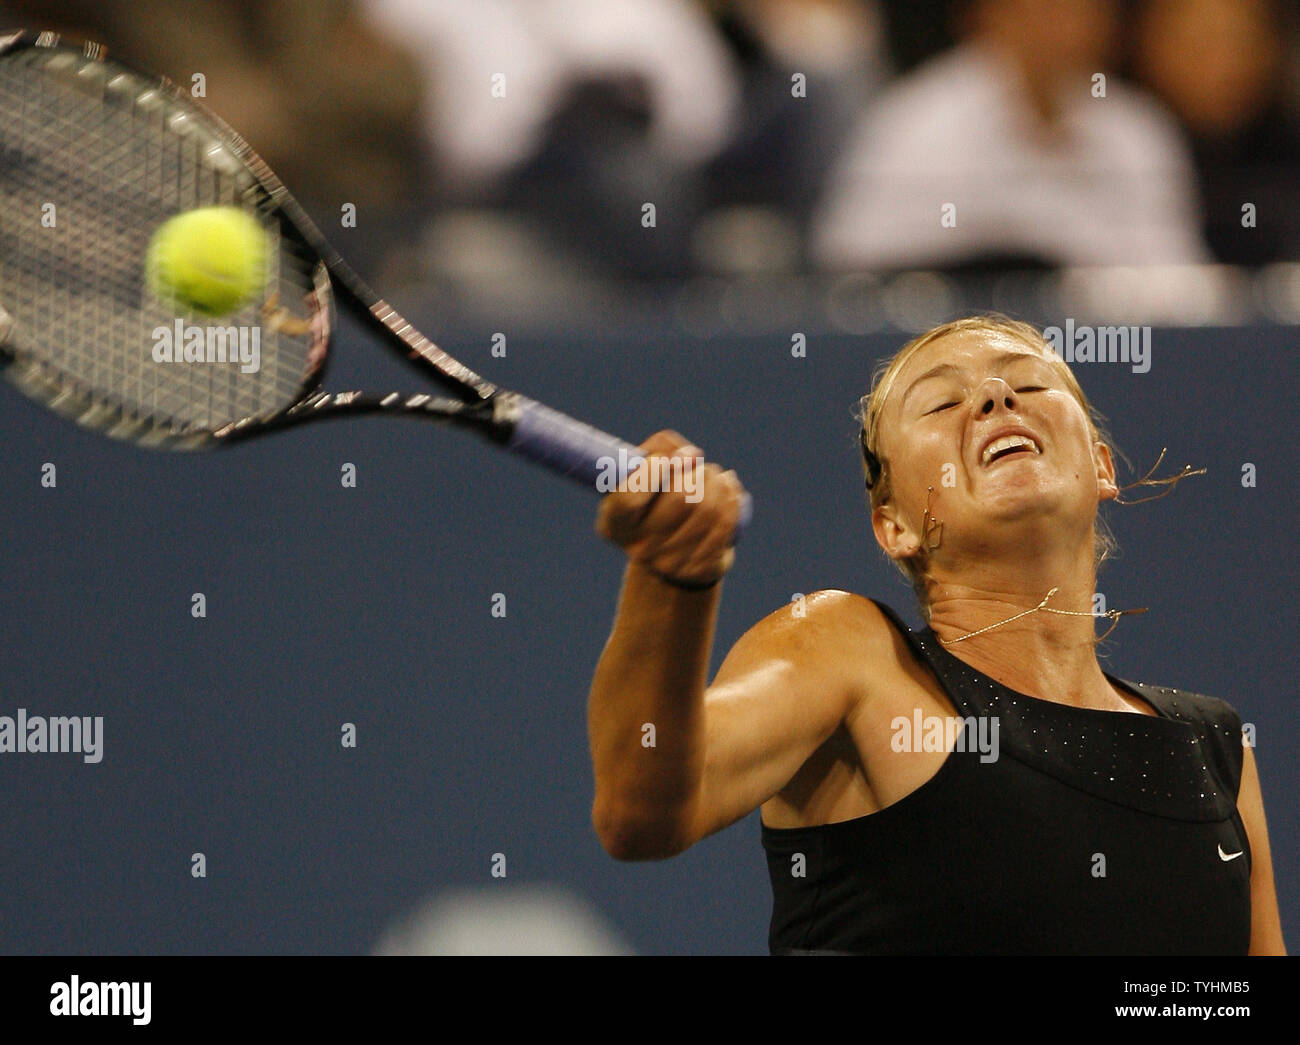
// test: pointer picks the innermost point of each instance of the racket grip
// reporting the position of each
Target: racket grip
(595, 459)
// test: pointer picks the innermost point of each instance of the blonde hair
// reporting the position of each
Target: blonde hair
(871, 406)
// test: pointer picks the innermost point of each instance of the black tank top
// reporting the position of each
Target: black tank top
(1092, 832)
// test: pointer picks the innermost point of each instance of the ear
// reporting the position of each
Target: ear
(1107, 488)
(894, 536)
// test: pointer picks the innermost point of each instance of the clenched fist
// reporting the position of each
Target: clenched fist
(675, 514)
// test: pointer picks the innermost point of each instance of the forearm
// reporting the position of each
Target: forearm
(646, 713)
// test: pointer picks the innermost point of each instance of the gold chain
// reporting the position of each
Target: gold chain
(1113, 615)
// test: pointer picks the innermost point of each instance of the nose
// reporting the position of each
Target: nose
(994, 393)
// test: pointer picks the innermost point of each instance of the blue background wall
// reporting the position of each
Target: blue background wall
(371, 605)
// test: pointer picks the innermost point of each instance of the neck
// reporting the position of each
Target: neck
(1049, 655)
(1033, 79)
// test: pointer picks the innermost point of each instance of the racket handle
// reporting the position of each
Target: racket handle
(596, 459)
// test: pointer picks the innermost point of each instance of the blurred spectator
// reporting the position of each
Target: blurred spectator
(1221, 66)
(662, 51)
(327, 101)
(1004, 137)
(805, 66)
(576, 114)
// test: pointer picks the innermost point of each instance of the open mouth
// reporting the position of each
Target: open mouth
(1009, 446)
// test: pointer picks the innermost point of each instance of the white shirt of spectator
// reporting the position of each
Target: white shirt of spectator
(1112, 185)
(541, 47)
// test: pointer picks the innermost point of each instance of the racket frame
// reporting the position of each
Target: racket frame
(521, 425)
(474, 400)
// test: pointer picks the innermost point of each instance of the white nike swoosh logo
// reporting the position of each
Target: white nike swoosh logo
(1229, 856)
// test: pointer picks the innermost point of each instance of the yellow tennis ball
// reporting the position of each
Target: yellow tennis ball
(211, 260)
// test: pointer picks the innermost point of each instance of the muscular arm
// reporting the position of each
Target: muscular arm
(720, 751)
(784, 688)
(1265, 921)
(674, 758)
(645, 716)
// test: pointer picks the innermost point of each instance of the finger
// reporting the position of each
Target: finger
(622, 512)
(683, 490)
(680, 534)
(713, 553)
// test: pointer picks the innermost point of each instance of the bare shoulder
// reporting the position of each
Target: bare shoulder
(823, 630)
(848, 616)
(824, 669)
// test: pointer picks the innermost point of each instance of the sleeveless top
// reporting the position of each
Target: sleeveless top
(1091, 832)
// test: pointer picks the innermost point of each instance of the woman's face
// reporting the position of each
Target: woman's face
(941, 427)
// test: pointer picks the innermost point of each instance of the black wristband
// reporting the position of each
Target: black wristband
(687, 585)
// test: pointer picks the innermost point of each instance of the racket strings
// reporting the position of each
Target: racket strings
(92, 160)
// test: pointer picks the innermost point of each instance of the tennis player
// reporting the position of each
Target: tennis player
(980, 786)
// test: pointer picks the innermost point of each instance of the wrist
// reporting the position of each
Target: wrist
(680, 583)
(688, 585)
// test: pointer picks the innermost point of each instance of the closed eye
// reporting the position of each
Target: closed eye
(950, 405)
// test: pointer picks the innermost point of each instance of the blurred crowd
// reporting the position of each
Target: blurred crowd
(664, 138)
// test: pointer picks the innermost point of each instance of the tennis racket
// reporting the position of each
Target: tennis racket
(94, 157)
